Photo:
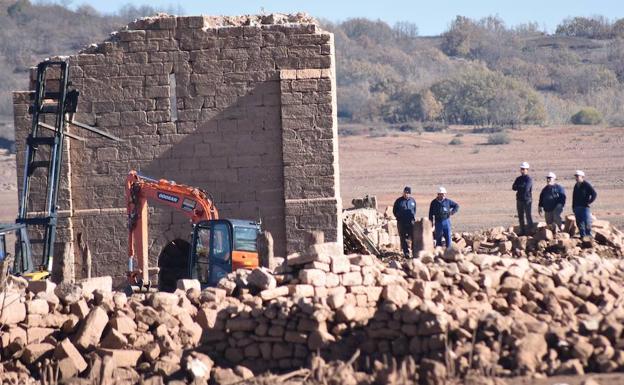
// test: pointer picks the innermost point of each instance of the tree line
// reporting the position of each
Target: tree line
(479, 72)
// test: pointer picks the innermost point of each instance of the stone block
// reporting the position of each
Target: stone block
(123, 324)
(125, 358)
(35, 352)
(262, 279)
(79, 309)
(395, 294)
(114, 340)
(351, 279)
(12, 310)
(340, 264)
(423, 237)
(187, 284)
(302, 290)
(91, 330)
(89, 285)
(270, 294)
(313, 277)
(37, 306)
(70, 361)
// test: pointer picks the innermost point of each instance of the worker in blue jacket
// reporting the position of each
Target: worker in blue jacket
(551, 202)
(523, 186)
(404, 211)
(583, 196)
(440, 212)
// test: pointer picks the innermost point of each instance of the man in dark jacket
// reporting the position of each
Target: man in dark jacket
(583, 196)
(440, 211)
(404, 211)
(551, 202)
(523, 186)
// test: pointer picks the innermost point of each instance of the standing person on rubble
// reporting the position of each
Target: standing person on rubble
(583, 196)
(440, 211)
(551, 202)
(523, 186)
(404, 211)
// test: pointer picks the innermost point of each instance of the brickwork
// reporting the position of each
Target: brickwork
(242, 107)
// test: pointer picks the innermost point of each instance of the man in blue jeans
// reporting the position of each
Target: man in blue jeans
(583, 196)
(440, 211)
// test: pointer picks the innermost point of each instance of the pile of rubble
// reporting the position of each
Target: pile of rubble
(544, 243)
(450, 313)
(368, 231)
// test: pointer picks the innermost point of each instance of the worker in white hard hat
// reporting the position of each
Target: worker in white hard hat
(583, 196)
(440, 211)
(523, 186)
(551, 202)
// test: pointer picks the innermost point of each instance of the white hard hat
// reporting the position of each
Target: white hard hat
(441, 190)
(525, 165)
(579, 173)
(551, 175)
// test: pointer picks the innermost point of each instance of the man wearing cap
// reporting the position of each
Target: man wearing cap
(551, 201)
(404, 211)
(440, 211)
(583, 195)
(523, 186)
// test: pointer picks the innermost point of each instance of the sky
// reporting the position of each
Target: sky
(431, 17)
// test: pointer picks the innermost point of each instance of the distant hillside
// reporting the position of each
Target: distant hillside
(479, 72)
(31, 32)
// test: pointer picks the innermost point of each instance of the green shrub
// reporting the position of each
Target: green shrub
(587, 115)
(409, 127)
(487, 130)
(455, 142)
(347, 131)
(498, 138)
(484, 97)
(378, 133)
(434, 126)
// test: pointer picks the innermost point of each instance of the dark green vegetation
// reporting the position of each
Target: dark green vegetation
(587, 116)
(479, 72)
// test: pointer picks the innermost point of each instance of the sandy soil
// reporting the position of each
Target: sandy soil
(479, 176)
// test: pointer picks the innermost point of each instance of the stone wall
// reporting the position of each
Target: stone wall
(243, 107)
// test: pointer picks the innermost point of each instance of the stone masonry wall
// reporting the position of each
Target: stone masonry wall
(243, 107)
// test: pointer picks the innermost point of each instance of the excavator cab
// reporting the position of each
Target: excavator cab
(221, 246)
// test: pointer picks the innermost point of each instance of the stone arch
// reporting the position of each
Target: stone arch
(173, 264)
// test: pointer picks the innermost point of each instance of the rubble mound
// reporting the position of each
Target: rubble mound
(451, 313)
(210, 21)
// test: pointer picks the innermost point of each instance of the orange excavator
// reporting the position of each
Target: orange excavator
(218, 246)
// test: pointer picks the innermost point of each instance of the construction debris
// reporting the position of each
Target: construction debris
(541, 306)
(367, 231)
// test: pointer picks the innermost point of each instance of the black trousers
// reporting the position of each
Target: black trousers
(524, 213)
(406, 231)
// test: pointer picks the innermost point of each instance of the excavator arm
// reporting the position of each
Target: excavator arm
(194, 203)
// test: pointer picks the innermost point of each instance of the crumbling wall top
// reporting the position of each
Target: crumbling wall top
(165, 21)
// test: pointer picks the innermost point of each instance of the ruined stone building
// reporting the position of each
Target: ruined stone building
(244, 108)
